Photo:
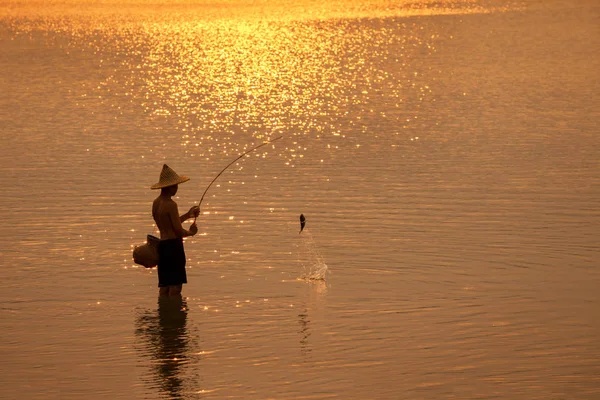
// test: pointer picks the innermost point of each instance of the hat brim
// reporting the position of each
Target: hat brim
(161, 185)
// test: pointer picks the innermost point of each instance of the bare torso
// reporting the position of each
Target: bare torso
(166, 215)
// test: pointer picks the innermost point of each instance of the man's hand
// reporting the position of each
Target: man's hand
(193, 229)
(194, 212)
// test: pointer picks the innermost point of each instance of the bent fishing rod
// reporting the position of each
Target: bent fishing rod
(231, 163)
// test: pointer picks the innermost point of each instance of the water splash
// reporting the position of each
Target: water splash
(313, 265)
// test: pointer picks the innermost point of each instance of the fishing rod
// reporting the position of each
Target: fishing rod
(231, 163)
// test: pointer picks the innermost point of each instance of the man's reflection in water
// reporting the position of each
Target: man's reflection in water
(166, 338)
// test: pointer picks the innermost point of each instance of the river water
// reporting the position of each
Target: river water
(445, 155)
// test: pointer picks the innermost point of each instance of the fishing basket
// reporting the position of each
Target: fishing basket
(147, 254)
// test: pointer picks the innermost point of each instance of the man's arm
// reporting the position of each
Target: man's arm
(176, 221)
(194, 211)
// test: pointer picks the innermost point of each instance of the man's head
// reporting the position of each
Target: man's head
(169, 190)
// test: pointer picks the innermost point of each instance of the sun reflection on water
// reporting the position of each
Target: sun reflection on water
(215, 79)
(226, 75)
(297, 79)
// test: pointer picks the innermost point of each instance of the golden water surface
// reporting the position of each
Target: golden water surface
(444, 153)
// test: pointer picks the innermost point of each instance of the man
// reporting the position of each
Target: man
(171, 264)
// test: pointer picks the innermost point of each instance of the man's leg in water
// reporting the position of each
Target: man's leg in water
(163, 291)
(175, 290)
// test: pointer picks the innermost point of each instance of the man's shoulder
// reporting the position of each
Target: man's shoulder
(170, 205)
(165, 204)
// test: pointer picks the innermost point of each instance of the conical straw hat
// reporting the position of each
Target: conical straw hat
(168, 177)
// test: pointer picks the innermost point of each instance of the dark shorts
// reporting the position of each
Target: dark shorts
(171, 263)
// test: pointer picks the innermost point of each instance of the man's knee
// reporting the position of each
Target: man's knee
(175, 290)
(163, 291)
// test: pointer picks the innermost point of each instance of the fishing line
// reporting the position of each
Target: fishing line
(233, 162)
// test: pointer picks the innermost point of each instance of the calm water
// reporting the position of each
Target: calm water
(444, 153)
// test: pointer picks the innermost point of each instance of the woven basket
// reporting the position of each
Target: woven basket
(147, 254)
